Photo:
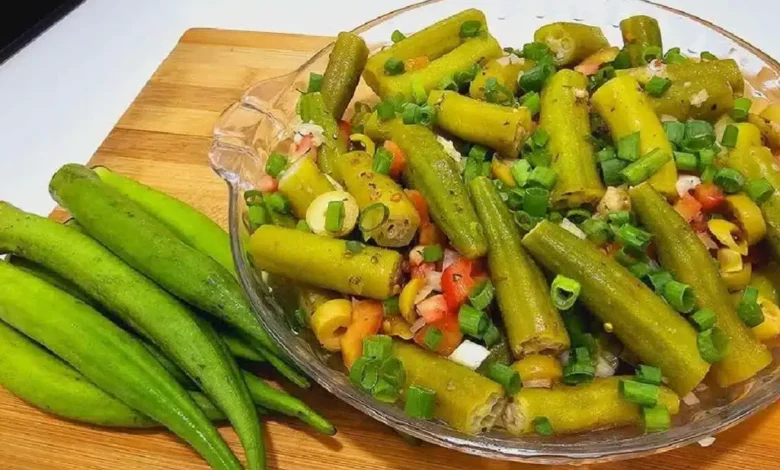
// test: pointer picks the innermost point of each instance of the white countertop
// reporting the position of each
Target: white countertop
(58, 102)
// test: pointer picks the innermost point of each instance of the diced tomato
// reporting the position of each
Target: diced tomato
(709, 196)
(433, 308)
(422, 269)
(346, 129)
(430, 234)
(688, 207)
(267, 184)
(367, 318)
(306, 143)
(420, 205)
(456, 283)
(399, 159)
(451, 334)
(416, 63)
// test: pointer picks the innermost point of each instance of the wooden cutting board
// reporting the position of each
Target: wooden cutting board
(162, 140)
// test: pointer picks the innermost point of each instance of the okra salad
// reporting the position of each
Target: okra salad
(556, 238)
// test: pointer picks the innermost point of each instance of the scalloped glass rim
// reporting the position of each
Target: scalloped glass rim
(257, 124)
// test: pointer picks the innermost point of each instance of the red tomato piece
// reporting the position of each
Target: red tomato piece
(346, 129)
(306, 143)
(420, 205)
(399, 159)
(456, 283)
(451, 335)
(267, 184)
(709, 196)
(422, 269)
(688, 207)
(433, 308)
(367, 318)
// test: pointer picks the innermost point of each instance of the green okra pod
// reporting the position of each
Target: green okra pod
(302, 183)
(312, 108)
(342, 73)
(639, 34)
(570, 43)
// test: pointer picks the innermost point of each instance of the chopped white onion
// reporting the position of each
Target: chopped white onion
(469, 354)
(417, 325)
(580, 93)
(571, 227)
(450, 256)
(686, 183)
(416, 255)
(657, 68)
(653, 264)
(537, 383)
(564, 356)
(707, 240)
(666, 118)
(433, 278)
(316, 132)
(606, 364)
(707, 441)
(691, 399)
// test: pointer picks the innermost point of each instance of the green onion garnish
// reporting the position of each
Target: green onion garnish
(628, 147)
(730, 136)
(478, 153)
(741, 109)
(704, 319)
(610, 171)
(392, 370)
(645, 167)
(564, 292)
(542, 426)
(651, 53)
(673, 56)
(465, 76)
(708, 174)
(506, 376)
(364, 373)
(622, 60)
(409, 112)
(713, 344)
(390, 306)
(425, 115)
(657, 86)
(698, 135)
(418, 91)
(555, 217)
(533, 80)
(420, 402)
(470, 29)
(304, 227)
(659, 279)
(397, 36)
(385, 110)
(385, 392)
(482, 294)
(675, 132)
(540, 137)
(258, 215)
(686, 161)
(635, 239)
(394, 66)
(373, 216)
(707, 55)
(253, 197)
(447, 83)
(334, 216)
(432, 253)
(539, 157)
(535, 51)
(277, 203)
(475, 168)
(749, 311)
(543, 177)
(275, 164)
(607, 153)
(377, 346)
(706, 157)
(525, 221)
(680, 296)
(383, 158)
(639, 393)
(597, 231)
(432, 338)
(535, 201)
(578, 372)
(521, 171)
(472, 322)
(759, 190)
(619, 218)
(315, 83)
(532, 101)
(656, 419)
(729, 180)
(640, 270)
(515, 198)
(354, 246)
(300, 318)
(492, 335)
(578, 216)
(648, 374)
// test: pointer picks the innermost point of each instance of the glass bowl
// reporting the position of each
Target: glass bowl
(250, 129)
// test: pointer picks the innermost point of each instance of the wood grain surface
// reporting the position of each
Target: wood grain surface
(162, 140)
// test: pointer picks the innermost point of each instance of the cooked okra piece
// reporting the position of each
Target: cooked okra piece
(532, 322)
(768, 121)
(502, 128)
(326, 262)
(466, 400)
(626, 110)
(565, 117)
(641, 35)
(586, 407)
(504, 70)
(342, 74)
(754, 162)
(642, 320)
(312, 108)
(571, 42)
(302, 183)
(371, 188)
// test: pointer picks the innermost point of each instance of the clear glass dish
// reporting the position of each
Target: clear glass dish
(258, 124)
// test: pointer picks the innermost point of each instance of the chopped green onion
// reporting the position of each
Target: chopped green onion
(253, 197)
(607, 153)
(383, 158)
(498, 93)
(515, 198)
(704, 319)
(300, 318)
(535, 201)
(639, 393)
(542, 177)
(729, 180)
(730, 136)
(564, 292)
(432, 253)
(275, 164)
(394, 66)
(749, 311)
(635, 239)
(385, 110)
(648, 374)
(741, 109)
(447, 83)
(759, 190)
(539, 157)
(542, 426)
(482, 294)
(577, 372)
(610, 171)
(555, 217)
(535, 51)
(602, 76)
(377, 346)
(526, 221)
(675, 131)
(465, 76)
(656, 419)
(390, 306)
(472, 322)
(534, 79)
(492, 335)
(698, 135)
(354, 246)
(657, 86)
(432, 338)
(706, 157)
(645, 167)
(334, 216)
(364, 373)
(385, 392)
(622, 60)
(578, 216)
(628, 147)
(425, 115)
(521, 171)
(713, 344)
(619, 218)
(397, 36)
(418, 91)
(532, 101)
(315, 83)
(470, 29)
(304, 227)
(258, 215)
(540, 137)
(409, 112)
(680, 296)
(277, 203)
(627, 257)
(673, 56)
(478, 153)
(707, 55)
(474, 168)
(392, 370)
(640, 270)
(659, 279)
(686, 161)
(651, 53)
(506, 376)
(708, 174)
(373, 216)
(420, 402)
(597, 231)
